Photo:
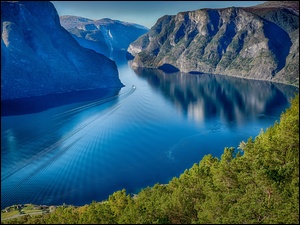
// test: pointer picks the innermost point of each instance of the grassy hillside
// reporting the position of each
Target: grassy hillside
(257, 183)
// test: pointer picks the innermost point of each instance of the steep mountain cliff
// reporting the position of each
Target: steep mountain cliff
(105, 36)
(38, 56)
(260, 42)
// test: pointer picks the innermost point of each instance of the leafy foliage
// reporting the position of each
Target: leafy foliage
(257, 184)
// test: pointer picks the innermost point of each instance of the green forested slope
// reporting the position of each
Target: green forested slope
(258, 183)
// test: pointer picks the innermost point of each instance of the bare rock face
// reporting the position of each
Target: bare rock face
(39, 57)
(105, 36)
(260, 42)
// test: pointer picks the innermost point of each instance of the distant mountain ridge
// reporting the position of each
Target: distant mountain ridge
(104, 35)
(259, 42)
(39, 57)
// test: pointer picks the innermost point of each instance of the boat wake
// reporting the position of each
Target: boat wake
(51, 148)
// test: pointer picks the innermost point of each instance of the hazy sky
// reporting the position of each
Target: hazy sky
(141, 12)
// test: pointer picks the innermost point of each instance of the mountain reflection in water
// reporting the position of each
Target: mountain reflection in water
(206, 96)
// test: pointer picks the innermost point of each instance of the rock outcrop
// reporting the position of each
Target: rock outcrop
(105, 36)
(39, 56)
(260, 42)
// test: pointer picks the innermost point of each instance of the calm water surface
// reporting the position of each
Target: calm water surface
(80, 147)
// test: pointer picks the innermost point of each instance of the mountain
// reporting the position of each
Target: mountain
(260, 42)
(39, 57)
(105, 36)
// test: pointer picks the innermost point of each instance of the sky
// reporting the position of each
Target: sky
(145, 13)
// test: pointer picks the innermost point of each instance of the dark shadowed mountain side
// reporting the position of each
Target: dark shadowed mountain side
(40, 57)
(260, 42)
(105, 36)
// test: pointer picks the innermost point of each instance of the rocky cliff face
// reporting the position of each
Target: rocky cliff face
(260, 42)
(38, 56)
(105, 36)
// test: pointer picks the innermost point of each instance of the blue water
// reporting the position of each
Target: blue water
(80, 147)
